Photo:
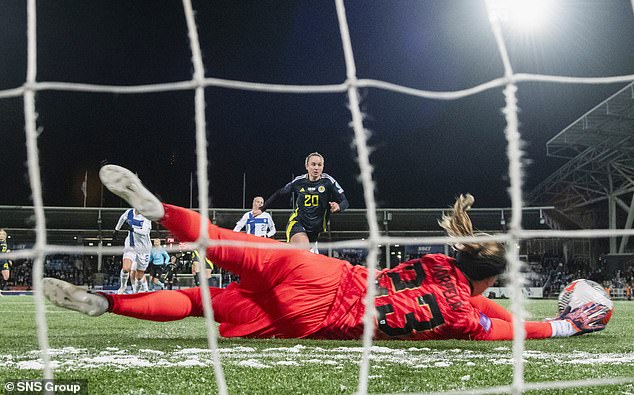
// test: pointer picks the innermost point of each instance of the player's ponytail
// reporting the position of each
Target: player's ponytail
(458, 223)
(477, 260)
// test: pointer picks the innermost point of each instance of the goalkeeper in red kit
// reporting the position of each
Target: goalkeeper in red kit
(292, 293)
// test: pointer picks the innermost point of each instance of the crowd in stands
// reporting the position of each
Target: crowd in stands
(21, 273)
(552, 273)
(70, 268)
(82, 270)
(352, 255)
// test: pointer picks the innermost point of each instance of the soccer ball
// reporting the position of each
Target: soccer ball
(580, 292)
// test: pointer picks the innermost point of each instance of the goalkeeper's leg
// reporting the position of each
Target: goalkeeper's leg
(161, 305)
(259, 269)
(70, 296)
(153, 306)
(185, 224)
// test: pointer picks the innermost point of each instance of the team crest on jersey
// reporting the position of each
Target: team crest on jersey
(321, 188)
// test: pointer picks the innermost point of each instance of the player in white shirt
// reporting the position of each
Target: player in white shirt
(262, 225)
(136, 250)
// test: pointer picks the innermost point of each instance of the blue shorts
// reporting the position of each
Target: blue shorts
(295, 227)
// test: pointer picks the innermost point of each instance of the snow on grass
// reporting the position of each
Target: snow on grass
(71, 358)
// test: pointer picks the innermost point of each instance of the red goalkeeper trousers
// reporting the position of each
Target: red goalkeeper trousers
(282, 292)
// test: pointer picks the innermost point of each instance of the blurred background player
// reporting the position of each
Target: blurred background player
(136, 250)
(170, 272)
(209, 267)
(262, 225)
(318, 195)
(5, 264)
(159, 258)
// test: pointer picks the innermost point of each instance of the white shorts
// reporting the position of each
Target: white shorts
(140, 261)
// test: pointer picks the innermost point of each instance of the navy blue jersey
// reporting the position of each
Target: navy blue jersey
(313, 197)
(4, 263)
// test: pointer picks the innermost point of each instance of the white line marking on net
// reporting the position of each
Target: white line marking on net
(203, 182)
(33, 165)
(514, 154)
(363, 156)
(311, 89)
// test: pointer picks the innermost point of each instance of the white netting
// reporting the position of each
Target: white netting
(351, 85)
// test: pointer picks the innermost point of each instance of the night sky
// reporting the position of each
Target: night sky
(425, 152)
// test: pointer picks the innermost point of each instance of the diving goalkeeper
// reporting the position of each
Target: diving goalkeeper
(291, 293)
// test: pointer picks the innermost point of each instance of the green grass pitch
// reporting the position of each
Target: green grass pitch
(120, 355)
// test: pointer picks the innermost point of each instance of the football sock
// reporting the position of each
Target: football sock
(562, 328)
(135, 285)
(123, 277)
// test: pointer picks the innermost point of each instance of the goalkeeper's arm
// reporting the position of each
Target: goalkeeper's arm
(503, 330)
(585, 319)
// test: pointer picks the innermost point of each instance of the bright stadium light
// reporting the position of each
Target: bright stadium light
(521, 14)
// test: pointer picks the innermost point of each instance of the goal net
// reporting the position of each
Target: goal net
(508, 81)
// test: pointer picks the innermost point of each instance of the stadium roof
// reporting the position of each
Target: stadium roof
(73, 225)
(609, 125)
(600, 146)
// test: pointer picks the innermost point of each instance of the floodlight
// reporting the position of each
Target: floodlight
(521, 14)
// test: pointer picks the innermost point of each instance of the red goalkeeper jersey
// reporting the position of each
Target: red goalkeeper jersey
(426, 298)
(292, 293)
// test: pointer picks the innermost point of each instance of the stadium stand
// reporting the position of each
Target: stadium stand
(551, 263)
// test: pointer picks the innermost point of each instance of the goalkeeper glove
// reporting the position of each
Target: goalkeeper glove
(584, 319)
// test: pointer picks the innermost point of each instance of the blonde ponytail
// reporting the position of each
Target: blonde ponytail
(458, 224)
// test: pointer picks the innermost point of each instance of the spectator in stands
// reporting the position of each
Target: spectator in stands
(58, 266)
(291, 293)
(22, 273)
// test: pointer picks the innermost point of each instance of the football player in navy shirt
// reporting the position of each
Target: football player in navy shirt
(318, 195)
(5, 264)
